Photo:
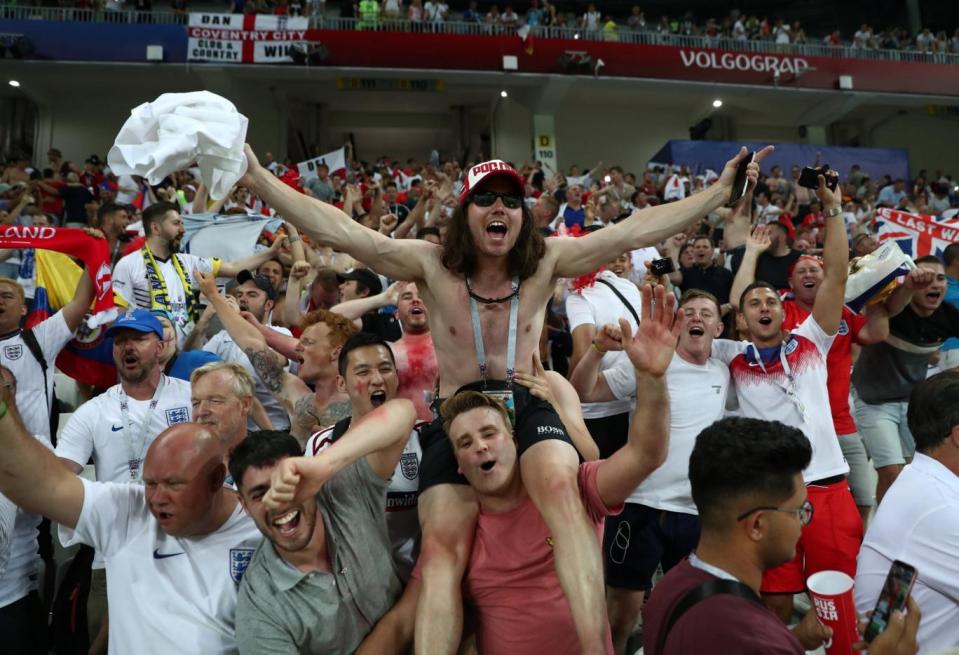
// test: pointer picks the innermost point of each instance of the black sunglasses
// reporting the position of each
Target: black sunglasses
(487, 198)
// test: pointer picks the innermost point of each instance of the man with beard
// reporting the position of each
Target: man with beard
(782, 376)
(704, 274)
(254, 294)
(491, 248)
(659, 525)
(414, 353)
(805, 278)
(158, 276)
(318, 349)
(117, 427)
(886, 372)
(324, 575)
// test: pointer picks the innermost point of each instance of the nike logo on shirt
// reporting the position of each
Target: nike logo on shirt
(116, 428)
(158, 555)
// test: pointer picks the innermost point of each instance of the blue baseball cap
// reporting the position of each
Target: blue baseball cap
(141, 320)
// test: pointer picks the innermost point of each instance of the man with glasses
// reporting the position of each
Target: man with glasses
(495, 262)
(782, 377)
(747, 483)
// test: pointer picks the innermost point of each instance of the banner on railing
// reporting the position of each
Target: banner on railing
(239, 38)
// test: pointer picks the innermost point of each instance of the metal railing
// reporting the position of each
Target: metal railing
(622, 34)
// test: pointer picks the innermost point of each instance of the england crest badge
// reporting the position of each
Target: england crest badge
(409, 465)
(240, 559)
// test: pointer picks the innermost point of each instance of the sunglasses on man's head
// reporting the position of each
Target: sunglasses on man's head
(487, 198)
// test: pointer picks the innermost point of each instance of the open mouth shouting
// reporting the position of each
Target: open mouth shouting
(766, 320)
(488, 466)
(934, 296)
(417, 311)
(287, 524)
(696, 331)
(377, 398)
(497, 229)
(809, 284)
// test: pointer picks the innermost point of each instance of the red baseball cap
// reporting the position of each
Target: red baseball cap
(481, 174)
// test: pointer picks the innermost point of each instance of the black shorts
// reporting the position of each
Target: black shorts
(609, 432)
(641, 538)
(535, 421)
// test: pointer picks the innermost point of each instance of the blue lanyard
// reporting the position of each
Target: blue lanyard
(511, 339)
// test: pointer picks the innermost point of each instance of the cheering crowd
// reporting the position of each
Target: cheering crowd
(478, 407)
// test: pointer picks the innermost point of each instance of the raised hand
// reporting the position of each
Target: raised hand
(206, 282)
(609, 337)
(295, 480)
(651, 350)
(728, 175)
(299, 270)
(919, 278)
(759, 240)
(830, 197)
(388, 223)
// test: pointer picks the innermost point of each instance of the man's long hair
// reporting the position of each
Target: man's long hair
(459, 251)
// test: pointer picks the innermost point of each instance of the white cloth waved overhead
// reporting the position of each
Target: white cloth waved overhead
(180, 130)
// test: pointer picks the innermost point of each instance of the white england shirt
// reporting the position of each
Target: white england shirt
(223, 345)
(131, 285)
(794, 394)
(697, 399)
(97, 429)
(597, 306)
(52, 335)
(19, 574)
(402, 519)
(166, 594)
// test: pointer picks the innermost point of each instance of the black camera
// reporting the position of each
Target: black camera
(662, 266)
(809, 177)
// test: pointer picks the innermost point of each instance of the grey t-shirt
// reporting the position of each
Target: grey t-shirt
(281, 609)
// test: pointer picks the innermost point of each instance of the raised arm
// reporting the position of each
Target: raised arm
(267, 364)
(737, 221)
(876, 328)
(586, 378)
(757, 243)
(76, 309)
(30, 475)
(354, 309)
(578, 256)
(230, 269)
(827, 310)
(916, 281)
(398, 259)
(380, 436)
(650, 352)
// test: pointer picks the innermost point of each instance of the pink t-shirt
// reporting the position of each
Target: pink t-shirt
(511, 580)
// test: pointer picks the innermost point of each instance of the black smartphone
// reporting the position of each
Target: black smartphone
(892, 597)
(662, 266)
(809, 177)
(741, 181)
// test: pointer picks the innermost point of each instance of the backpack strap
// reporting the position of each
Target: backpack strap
(621, 297)
(712, 587)
(33, 346)
(340, 428)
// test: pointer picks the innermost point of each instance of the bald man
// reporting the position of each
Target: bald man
(175, 547)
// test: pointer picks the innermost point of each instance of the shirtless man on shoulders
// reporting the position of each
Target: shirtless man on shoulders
(486, 289)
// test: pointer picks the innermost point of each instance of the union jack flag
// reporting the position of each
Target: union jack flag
(918, 235)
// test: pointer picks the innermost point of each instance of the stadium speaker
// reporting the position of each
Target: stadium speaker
(698, 131)
(22, 48)
(308, 54)
(575, 62)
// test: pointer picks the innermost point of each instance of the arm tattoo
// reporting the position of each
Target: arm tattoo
(335, 412)
(267, 368)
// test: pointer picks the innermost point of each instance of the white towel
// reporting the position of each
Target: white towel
(180, 130)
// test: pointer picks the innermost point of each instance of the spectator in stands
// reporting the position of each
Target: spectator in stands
(321, 186)
(886, 372)
(949, 353)
(272, 270)
(917, 521)
(784, 378)
(414, 13)
(659, 525)
(805, 280)
(891, 195)
(369, 376)
(361, 296)
(534, 15)
(590, 21)
(222, 396)
(472, 14)
(773, 264)
(414, 352)
(436, 11)
(158, 276)
(113, 220)
(325, 526)
(255, 295)
(323, 335)
(925, 40)
(598, 299)
(181, 535)
(30, 353)
(23, 621)
(636, 21)
(503, 572)
(509, 19)
(704, 274)
(75, 195)
(572, 212)
(746, 481)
